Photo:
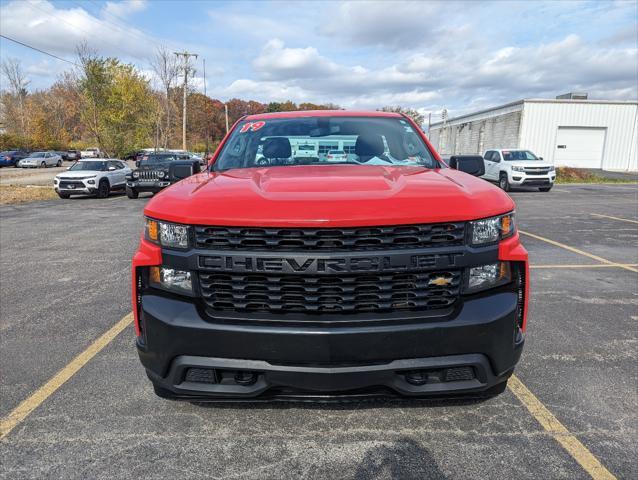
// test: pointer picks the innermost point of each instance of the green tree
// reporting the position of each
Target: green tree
(410, 112)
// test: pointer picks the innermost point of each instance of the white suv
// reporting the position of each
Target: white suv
(518, 168)
(95, 176)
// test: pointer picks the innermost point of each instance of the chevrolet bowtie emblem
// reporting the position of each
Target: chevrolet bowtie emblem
(440, 281)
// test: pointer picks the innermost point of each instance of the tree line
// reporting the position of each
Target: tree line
(109, 104)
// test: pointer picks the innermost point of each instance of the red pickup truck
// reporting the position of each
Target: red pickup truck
(275, 275)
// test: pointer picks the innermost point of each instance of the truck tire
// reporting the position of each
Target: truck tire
(59, 164)
(103, 188)
(544, 189)
(503, 182)
(43, 164)
(132, 193)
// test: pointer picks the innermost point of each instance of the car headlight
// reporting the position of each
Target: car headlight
(136, 174)
(490, 230)
(167, 234)
(91, 182)
(517, 169)
(552, 168)
(178, 281)
(488, 276)
(161, 174)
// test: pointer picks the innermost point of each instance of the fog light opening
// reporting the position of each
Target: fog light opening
(416, 377)
(201, 375)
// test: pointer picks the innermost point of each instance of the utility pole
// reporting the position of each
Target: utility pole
(226, 111)
(206, 110)
(186, 56)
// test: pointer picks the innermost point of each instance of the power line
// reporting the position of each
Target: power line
(38, 50)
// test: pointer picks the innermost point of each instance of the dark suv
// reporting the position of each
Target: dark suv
(154, 172)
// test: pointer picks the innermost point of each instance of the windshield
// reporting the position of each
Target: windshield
(37, 155)
(518, 155)
(315, 140)
(99, 166)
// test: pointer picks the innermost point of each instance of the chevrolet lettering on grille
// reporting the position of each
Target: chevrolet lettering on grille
(317, 265)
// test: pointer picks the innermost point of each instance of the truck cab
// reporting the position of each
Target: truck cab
(518, 168)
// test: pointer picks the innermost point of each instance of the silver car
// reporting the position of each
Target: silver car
(41, 159)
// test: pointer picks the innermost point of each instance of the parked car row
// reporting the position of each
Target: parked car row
(14, 158)
(101, 176)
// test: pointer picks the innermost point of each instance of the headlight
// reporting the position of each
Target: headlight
(178, 281)
(490, 230)
(136, 174)
(167, 234)
(552, 168)
(161, 174)
(56, 180)
(518, 169)
(91, 182)
(488, 276)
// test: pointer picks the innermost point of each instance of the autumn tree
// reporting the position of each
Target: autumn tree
(410, 112)
(13, 100)
(166, 68)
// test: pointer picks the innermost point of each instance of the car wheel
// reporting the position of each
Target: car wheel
(43, 164)
(503, 182)
(64, 195)
(103, 189)
(132, 193)
(59, 164)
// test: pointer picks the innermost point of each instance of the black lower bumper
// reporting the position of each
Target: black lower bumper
(475, 350)
(147, 186)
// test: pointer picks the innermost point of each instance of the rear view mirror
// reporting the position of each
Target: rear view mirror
(472, 164)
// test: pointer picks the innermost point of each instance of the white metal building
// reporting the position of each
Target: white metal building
(575, 133)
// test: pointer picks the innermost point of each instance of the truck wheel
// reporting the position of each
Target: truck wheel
(43, 164)
(103, 189)
(131, 193)
(545, 189)
(64, 195)
(59, 164)
(503, 182)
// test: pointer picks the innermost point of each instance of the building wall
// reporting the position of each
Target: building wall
(475, 136)
(541, 121)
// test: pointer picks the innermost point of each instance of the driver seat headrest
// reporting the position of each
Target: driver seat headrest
(277, 147)
(370, 145)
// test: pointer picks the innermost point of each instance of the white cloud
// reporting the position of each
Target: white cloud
(124, 8)
(59, 31)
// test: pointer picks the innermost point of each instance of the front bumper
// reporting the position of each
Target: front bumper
(523, 180)
(482, 339)
(147, 186)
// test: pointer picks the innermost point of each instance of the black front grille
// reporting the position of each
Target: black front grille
(334, 239)
(537, 171)
(148, 175)
(67, 184)
(317, 294)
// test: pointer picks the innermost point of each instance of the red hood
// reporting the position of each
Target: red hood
(339, 195)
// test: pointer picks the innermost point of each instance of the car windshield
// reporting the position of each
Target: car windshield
(157, 159)
(310, 140)
(37, 155)
(510, 155)
(98, 166)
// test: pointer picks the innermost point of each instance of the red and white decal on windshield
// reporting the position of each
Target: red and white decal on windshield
(252, 126)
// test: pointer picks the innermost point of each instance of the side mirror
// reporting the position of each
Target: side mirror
(68, 168)
(179, 170)
(111, 169)
(472, 164)
(540, 158)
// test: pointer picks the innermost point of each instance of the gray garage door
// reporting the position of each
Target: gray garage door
(579, 147)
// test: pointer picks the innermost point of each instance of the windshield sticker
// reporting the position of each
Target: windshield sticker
(252, 126)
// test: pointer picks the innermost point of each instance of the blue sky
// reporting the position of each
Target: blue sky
(425, 55)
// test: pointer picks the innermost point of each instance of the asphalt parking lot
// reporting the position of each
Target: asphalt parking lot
(570, 413)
